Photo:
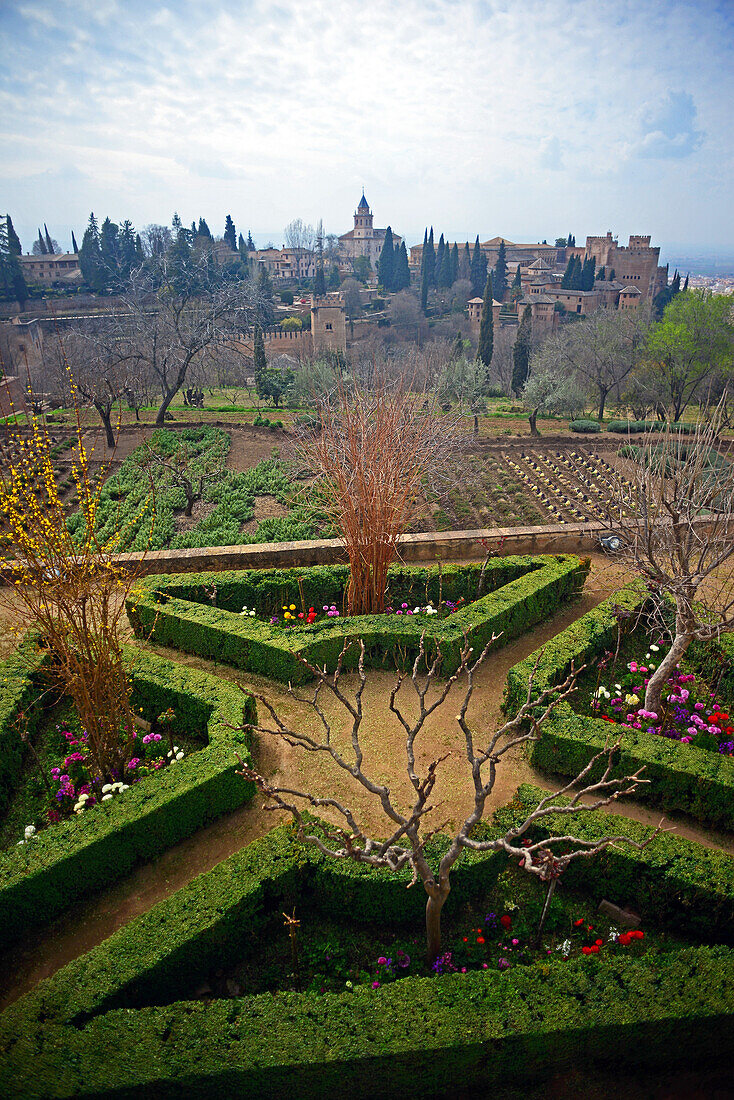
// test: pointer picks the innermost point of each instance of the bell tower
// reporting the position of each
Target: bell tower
(363, 220)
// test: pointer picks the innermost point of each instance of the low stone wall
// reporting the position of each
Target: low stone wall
(561, 538)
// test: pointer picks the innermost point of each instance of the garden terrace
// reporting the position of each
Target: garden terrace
(201, 613)
(113, 1021)
(44, 876)
(682, 777)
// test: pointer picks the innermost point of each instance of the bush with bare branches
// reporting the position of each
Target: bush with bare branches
(371, 452)
(405, 846)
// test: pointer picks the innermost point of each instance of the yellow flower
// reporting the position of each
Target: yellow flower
(292, 607)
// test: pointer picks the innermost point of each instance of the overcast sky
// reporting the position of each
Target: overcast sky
(524, 119)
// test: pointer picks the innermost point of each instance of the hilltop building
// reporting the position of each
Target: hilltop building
(364, 239)
(636, 264)
(49, 269)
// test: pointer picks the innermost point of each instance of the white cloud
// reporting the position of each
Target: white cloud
(478, 116)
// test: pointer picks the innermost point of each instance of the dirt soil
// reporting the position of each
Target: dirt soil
(97, 918)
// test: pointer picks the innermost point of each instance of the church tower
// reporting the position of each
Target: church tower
(363, 220)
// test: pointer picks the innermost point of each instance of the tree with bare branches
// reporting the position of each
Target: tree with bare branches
(681, 491)
(178, 468)
(374, 446)
(410, 830)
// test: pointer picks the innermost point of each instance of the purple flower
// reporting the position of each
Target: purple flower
(503, 964)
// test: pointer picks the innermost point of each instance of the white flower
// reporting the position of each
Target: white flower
(179, 756)
(105, 797)
(125, 787)
(654, 648)
(29, 831)
(83, 797)
(79, 807)
(565, 948)
(633, 700)
(617, 687)
(107, 787)
(20, 842)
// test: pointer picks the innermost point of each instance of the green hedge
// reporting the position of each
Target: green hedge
(178, 611)
(585, 426)
(40, 879)
(626, 426)
(17, 693)
(682, 777)
(104, 1025)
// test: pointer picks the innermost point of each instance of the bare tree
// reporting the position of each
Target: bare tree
(171, 313)
(604, 348)
(405, 846)
(178, 468)
(681, 492)
(299, 235)
(373, 449)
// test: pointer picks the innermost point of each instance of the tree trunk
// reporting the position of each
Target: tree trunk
(434, 906)
(602, 403)
(533, 426)
(160, 420)
(106, 418)
(666, 668)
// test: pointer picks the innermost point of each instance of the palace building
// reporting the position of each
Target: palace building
(364, 239)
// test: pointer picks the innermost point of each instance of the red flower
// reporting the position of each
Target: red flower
(506, 921)
(480, 939)
(624, 939)
(637, 934)
(594, 949)
(598, 942)
(578, 923)
(585, 950)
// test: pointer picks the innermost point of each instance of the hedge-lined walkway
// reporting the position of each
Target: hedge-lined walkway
(94, 920)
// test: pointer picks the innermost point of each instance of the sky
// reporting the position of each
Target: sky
(526, 119)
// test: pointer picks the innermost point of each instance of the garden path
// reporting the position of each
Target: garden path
(94, 920)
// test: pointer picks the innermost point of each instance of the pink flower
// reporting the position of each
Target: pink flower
(381, 961)
(375, 985)
(632, 666)
(686, 740)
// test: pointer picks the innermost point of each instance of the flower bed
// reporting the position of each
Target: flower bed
(684, 776)
(499, 1026)
(42, 877)
(202, 613)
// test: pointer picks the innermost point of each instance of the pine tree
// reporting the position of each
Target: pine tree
(521, 352)
(74, 245)
(500, 274)
(90, 257)
(42, 244)
(109, 247)
(127, 255)
(478, 274)
(230, 235)
(486, 331)
(176, 226)
(386, 262)
(454, 263)
(139, 253)
(49, 242)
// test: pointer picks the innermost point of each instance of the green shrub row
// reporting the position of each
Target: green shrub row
(105, 1025)
(625, 426)
(681, 777)
(18, 694)
(170, 610)
(41, 878)
(585, 426)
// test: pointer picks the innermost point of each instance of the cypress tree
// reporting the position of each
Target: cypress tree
(521, 352)
(685, 285)
(109, 247)
(74, 245)
(478, 273)
(568, 273)
(13, 238)
(576, 274)
(334, 280)
(517, 281)
(250, 242)
(427, 268)
(486, 331)
(586, 278)
(465, 263)
(570, 241)
(139, 253)
(127, 258)
(454, 263)
(203, 230)
(319, 283)
(241, 246)
(386, 263)
(675, 285)
(258, 353)
(402, 270)
(264, 285)
(500, 274)
(49, 242)
(42, 244)
(446, 268)
(601, 276)
(230, 235)
(612, 275)
(438, 268)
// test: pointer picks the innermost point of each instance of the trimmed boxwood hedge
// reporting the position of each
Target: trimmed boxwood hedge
(625, 426)
(40, 879)
(585, 426)
(177, 610)
(104, 1025)
(682, 777)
